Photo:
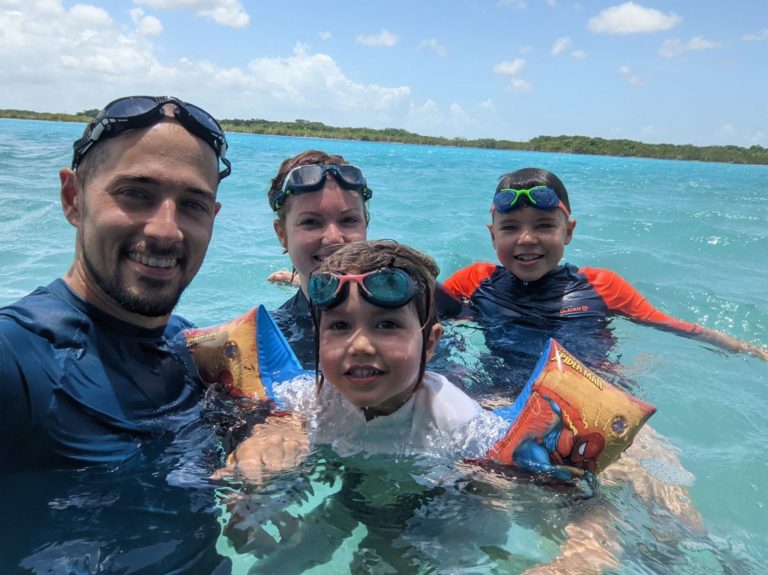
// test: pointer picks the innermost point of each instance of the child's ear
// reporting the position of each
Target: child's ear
(493, 235)
(434, 337)
(569, 227)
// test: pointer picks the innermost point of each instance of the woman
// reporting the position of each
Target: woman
(320, 204)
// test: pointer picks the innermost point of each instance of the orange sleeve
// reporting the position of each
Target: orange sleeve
(464, 282)
(622, 298)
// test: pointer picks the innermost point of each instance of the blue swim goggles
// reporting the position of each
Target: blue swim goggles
(542, 197)
(141, 111)
(311, 177)
(387, 287)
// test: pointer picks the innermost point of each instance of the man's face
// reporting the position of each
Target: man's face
(144, 218)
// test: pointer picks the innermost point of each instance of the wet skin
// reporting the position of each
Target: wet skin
(144, 221)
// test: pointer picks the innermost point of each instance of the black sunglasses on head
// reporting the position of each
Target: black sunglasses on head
(140, 111)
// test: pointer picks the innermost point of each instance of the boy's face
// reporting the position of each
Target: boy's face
(529, 242)
(372, 355)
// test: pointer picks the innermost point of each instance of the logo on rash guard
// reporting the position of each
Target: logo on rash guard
(574, 309)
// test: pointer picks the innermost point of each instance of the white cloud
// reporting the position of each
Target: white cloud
(520, 85)
(50, 60)
(579, 54)
(488, 105)
(760, 36)
(384, 38)
(146, 25)
(560, 46)
(513, 68)
(458, 113)
(631, 18)
(326, 35)
(433, 45)
(90, 15)
(676, 47)
(225, 12)
(510, 67)
(315, 81)
(630, 76)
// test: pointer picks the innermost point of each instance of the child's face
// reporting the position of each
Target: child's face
(372, 355)
(530, 242)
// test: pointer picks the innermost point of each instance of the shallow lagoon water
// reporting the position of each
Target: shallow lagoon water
(691, 236)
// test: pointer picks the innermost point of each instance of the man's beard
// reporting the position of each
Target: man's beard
(152, 305)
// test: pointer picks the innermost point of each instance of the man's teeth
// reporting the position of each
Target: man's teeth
(527, 258)
(153, 262)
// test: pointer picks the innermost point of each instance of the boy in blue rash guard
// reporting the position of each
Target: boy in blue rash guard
(530, 227)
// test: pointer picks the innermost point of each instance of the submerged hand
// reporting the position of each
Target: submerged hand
(277, 445)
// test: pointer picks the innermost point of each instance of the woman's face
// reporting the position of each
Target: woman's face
(316, 223)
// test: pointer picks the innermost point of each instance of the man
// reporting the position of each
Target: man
(89, 373)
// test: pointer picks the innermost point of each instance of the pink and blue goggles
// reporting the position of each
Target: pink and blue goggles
(387, 287)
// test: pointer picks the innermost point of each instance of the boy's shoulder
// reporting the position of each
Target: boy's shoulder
(464, 282)
(448, 406)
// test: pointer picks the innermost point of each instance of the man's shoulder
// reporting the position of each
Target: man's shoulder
(41, 307)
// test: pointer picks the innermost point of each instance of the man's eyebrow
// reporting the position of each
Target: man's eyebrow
(148, 181)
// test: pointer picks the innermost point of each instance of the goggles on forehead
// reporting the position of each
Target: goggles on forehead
(311, 177)
(542, 197)
(388, 288)
(140, 111)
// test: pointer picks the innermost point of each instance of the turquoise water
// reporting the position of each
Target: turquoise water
(692, 237)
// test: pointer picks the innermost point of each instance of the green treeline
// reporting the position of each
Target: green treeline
(558, 144)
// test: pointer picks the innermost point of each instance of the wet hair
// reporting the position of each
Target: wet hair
(99, 156)
(528, 178)
(308, 157)
(367, 256)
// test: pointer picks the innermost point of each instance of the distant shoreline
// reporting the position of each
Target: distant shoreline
(554, 144)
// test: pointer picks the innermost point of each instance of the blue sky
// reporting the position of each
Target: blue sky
(681, 72)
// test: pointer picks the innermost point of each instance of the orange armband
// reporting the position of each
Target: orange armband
(248, 355)
(568, 422)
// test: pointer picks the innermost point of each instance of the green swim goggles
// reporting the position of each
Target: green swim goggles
(542, 197)
(387, 287)
(311, 177)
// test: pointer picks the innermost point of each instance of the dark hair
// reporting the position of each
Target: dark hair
(367, 256)
(527, 178)
(98, 157)
(303, 159)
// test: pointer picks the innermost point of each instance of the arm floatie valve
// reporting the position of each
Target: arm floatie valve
(568, 422)
(248, 355)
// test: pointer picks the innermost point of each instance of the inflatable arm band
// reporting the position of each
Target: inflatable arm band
(566, 422)
(248, 355)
